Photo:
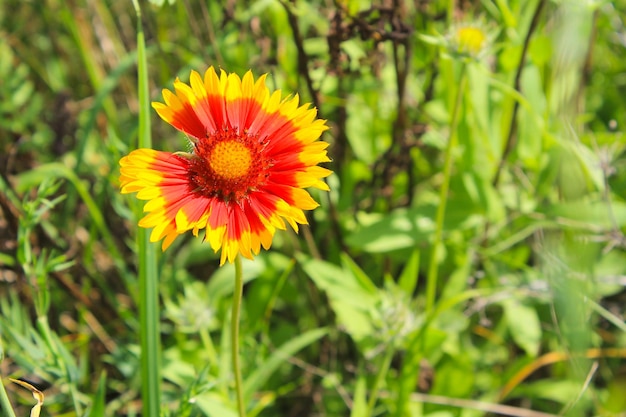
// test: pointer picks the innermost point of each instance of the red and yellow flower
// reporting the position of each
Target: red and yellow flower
(253, 154)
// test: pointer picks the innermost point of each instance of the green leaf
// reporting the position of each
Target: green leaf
(359, 401)
(560, 391)
(615, 401)
(264, 292)
(404, 228)
(361, 277)
(524, 325)
(531, 124)
(349, 298)
(400, 230)
(455, 377)
(222, 282)
(264, 371)
(160, 3)
(593, 215)
(98, 405)
(213, 405)
(410, 274)
(483, 194)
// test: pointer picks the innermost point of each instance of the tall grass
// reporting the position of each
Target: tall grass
(147, 258)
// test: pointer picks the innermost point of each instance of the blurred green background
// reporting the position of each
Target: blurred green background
(468, 260)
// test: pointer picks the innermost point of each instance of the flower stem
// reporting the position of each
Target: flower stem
(234, 333)
(431, 278)
(382, 372)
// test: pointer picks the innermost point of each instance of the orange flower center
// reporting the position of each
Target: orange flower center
(230, 159)
(228, 165)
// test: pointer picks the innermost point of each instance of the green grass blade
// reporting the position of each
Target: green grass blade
(98, 406)
(148, 274)
(5, 404)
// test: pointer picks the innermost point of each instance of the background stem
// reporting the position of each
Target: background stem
(433, 266)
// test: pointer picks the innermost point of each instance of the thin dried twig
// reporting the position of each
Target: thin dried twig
(501, 409)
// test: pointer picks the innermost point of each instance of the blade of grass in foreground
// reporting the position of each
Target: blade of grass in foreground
(5, 404)
(148, 275)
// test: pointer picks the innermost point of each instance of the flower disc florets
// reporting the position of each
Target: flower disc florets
(228, 165)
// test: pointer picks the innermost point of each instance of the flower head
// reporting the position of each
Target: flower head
(253, 153)
(470, 39)
(464, 40)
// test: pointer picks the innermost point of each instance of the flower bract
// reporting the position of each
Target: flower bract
(253, 153)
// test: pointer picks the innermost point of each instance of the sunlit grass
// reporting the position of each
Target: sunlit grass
(468, 256)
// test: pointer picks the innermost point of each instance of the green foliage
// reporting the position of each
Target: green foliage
(524, 305)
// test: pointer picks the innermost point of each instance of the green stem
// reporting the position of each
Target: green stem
(208, 345)
(149, 323)
(148, 271)
(234, 333)
(382, 371)
(431, 278)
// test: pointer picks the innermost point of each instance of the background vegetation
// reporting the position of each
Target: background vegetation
(469, 258)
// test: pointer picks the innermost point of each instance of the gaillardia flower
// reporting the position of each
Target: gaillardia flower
(253, 154)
